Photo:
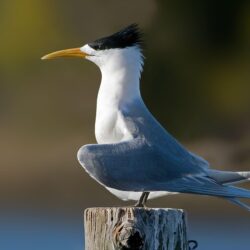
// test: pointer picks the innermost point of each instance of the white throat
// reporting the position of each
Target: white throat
(120, 85)
(121, 76)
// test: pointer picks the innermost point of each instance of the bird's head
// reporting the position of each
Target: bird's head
(120, 49)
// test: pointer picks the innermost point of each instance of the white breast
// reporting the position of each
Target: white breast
(119, 86)
(110, 126)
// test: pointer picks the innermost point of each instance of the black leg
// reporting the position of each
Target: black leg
(143, 199)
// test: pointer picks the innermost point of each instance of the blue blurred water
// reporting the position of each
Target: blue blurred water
(40, 232)
(223, 233)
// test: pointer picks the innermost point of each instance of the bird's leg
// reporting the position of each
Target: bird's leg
(143, 199)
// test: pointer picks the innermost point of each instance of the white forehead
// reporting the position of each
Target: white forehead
(87, 49)
(114, 51)
(114, 58)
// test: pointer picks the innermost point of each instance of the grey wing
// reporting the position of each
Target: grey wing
(134, 165)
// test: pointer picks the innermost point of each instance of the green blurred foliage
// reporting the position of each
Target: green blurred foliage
(24, 25)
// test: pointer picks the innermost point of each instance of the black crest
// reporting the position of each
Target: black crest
(127, 37)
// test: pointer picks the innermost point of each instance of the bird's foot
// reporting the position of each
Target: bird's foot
(139, 204)
(142, 201)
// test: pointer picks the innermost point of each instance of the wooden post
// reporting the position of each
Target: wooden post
(132, 228)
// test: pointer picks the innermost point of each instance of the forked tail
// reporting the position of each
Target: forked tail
(229, 177)
(205, 185)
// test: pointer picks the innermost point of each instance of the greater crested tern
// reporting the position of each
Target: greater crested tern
(136, 158)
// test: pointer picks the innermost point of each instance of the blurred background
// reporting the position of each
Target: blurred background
(196, 82)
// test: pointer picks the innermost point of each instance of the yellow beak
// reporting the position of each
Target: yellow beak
(76, 52)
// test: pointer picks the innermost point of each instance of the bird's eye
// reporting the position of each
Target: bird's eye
(97, 47)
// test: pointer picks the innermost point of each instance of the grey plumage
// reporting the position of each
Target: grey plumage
(154, 161)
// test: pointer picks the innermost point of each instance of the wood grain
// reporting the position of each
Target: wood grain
(124, 228)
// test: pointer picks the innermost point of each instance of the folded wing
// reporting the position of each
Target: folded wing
(135, 165)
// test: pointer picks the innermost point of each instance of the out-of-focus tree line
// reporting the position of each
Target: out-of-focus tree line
(197, 74)
(196, 82)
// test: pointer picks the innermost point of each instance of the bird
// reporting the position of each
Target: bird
(135, 157)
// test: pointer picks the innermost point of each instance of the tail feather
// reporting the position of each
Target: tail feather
(207, 186)
(229, 177)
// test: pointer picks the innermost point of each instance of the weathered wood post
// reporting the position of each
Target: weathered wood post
(133, 228)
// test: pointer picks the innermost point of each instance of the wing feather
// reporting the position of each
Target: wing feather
(134, 165)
